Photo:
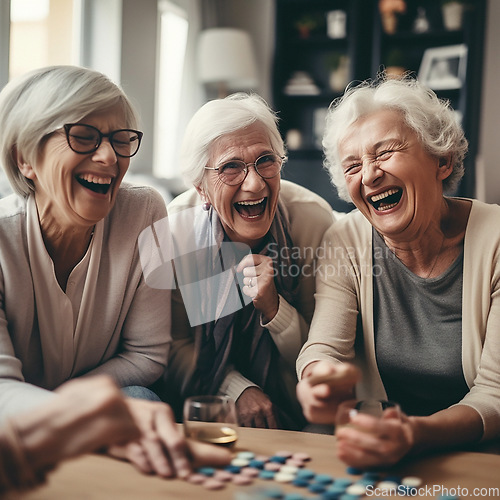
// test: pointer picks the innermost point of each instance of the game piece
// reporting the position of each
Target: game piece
(249, 471)
(284, 453)
(316, 487)
(300, 455)
(242, 480)
(300, 482)
(234, 469)
(267, 474)
(223, 475)
(411, 481)
(323, 478)
(213, 484)
(388, 485)
(293, 496)
(274, 466)
(305, 474)
(289, 469)
(295, 462)
(258, 464)
(356, 489)
(272, 493)
(278, 459)
(240, 462)
(195, 478)
(206, 471)
(248, 455)
(354, 471)
(283, 477)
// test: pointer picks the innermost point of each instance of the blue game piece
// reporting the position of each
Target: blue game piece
(256, 464)
(293, 496)
(373, 476)
(342, 482)
(323, 478)
(328, 495)
(233, 469)
(394, 479)
(272, 493)
(278, 459)
(335, 491)
(316, 487)
(300, 482)
(266, 474)
(305, 474)
(206, 471)
(354, 471)
(346, 496)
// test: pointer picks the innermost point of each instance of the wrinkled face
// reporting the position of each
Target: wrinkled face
(391, 178)
(246, 210)
(79, 189)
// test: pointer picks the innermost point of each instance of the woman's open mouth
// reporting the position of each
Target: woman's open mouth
(251, 209)
(96, 184)
(386, 200)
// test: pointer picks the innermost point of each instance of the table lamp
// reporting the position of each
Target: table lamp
(226, 60)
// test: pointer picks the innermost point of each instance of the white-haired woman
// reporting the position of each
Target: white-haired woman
(73, 297)
(412, 294)
(233, 154)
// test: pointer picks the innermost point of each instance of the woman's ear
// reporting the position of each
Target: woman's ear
(445, 167)
(24, 167)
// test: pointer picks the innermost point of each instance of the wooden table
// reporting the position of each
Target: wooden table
(99, 477)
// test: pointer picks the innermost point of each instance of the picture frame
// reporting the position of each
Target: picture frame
(444, 68)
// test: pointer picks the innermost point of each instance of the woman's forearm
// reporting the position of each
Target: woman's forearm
(454, 426)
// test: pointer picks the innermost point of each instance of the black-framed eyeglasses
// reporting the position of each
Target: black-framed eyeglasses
(85, 139)
(234, 172)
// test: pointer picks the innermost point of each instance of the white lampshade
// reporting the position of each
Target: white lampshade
(226, 58)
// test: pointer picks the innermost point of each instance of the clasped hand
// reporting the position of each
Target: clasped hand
(369, 441)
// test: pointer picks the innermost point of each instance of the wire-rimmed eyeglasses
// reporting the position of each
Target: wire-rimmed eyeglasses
(85, 139)
(234, 172)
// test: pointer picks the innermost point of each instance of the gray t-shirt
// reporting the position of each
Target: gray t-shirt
(418, 333)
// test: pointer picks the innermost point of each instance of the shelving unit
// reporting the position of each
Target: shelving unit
(305, 46)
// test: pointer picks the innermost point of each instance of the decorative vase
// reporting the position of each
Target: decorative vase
(453, 15)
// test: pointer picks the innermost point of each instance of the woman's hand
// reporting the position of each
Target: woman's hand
(323, 387)
(162, 448)
(88, 414)
(373, 442)
(255, 409)
(258, 272)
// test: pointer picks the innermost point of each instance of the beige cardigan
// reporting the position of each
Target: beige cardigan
(348, 291)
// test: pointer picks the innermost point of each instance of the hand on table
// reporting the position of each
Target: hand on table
(162, 448)
(372, 441)
(255, 409)
(323, 387)
(258, 272)
(88, 414)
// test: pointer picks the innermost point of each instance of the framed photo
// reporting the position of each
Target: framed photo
(444, 67)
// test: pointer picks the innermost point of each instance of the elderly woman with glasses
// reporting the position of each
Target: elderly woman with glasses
(246, 243)
(73, 298)
(408, 305)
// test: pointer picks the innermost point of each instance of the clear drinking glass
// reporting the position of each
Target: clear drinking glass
(211, 419)
(374, 407)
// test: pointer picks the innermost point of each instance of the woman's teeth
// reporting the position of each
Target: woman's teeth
(94, 183)
(386, 200)
(251, 208)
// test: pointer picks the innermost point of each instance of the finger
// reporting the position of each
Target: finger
(159, 460)
(259, 421)
(250, 261)
(271, 421)
(207, 454)
(135, 454)
(173, 441)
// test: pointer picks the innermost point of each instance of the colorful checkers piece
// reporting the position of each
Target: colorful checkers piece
(283, 477)
(388, 485)
(306, 474)
(354, 471)
(233, 469)
(258, 464)
(213, 484)
(267, 474)
(240, 462)
(289, 469)
(411, 481)
(246, 455)
(336, 490)
(342, 482)
(249, 471)
(206, 471)
(323, 478)
(294, 462)
(316, 487)
(293, 496)
(356, 489)
(302, 456)
(274, 466)
(196, 478)
(301, 483)
(223, 475)
(283, 453)
(277, 459)
(242, 480)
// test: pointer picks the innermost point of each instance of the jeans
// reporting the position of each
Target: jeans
(140, 392)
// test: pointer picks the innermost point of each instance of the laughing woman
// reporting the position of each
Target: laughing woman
(412, 294)
(232, 155)
(73, 301)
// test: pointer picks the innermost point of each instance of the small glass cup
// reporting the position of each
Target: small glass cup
(374, 407)
(211, 419)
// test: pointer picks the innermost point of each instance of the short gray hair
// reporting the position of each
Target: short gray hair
(431, 118)
(40, 102)
(220, 117)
